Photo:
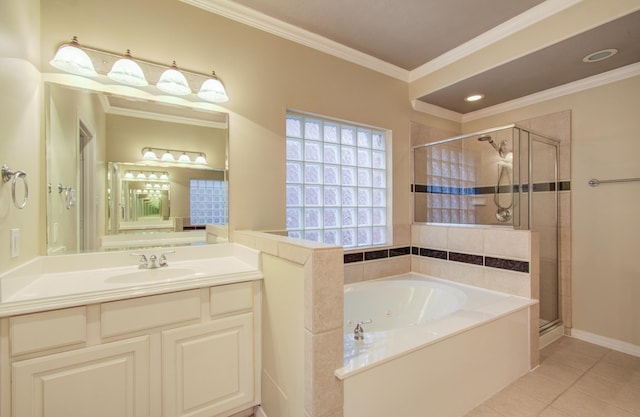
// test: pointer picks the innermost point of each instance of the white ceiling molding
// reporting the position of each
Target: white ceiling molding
(504, 30)
(261, 21)
(556, 92)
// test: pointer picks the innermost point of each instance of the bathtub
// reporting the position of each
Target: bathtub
(433, 347)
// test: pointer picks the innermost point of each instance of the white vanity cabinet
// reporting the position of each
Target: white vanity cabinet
(189, 353)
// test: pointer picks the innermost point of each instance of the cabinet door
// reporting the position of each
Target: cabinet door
(100, 381)
(208, 368)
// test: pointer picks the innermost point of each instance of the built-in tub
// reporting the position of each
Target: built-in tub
(434, 347)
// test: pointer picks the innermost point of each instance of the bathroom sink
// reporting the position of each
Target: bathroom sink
(152, 275)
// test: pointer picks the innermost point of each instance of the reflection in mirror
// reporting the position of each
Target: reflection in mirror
(104, 195)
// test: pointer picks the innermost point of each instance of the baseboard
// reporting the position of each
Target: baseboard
(607, 342)
(551, 336)
(259, 412)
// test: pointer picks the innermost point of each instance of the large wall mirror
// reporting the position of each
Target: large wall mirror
(128, 173)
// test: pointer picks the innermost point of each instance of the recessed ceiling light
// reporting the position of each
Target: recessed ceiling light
(474, 97)
(600, 55)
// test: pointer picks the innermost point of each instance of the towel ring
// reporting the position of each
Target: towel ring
(8, 175)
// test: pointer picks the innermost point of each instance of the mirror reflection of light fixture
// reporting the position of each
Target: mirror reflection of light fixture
(127, 71)
(173, 82)
(70, 58)
(91, 62)
(184, 158)
(152, 176)
(141, 176)
(213, 90)
(164, 176)
(129, 175)
(170, 155)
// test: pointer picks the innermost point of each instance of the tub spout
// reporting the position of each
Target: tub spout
(358, 332)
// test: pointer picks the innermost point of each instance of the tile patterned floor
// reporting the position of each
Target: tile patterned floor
(574, 379)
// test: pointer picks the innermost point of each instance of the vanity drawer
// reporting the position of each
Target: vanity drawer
(128, 316)
(231, 298)
(48, 330)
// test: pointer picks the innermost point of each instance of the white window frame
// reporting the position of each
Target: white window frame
(314, 145)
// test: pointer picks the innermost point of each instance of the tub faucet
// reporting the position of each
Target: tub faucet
(358, 332)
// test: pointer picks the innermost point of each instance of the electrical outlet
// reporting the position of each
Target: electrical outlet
(15, 243)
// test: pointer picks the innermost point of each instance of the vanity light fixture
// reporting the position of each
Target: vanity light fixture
(127, 71)
(129, 175)
(179, 157)
(70, 58)
(92, 62)
(152, 176)
(164, 176)
(141, 176)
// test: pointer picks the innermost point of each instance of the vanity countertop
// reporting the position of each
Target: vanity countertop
(52, 282)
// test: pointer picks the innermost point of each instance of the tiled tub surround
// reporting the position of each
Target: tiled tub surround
(432, 365)
(302, 325)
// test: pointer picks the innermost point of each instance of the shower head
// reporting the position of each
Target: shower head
(502, 149)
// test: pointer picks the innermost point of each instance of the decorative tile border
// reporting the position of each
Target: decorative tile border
(537, 187)
(480, 260)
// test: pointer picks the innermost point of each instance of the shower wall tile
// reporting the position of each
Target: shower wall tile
(516, 283)
(353, 272)
(427, 236)
(323, 391)
(465, 239)
(507, 243)
(325, 278)
(401, 234)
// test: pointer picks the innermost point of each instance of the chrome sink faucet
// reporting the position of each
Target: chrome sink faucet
(153, 261)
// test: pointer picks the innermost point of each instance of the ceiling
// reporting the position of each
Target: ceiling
(409, 36)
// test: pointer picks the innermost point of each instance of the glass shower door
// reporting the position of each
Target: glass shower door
(544, 219)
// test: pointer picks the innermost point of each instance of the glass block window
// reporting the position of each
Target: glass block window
(336, 182)
(208, 202)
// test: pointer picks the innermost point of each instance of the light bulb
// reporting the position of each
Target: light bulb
(200, 159)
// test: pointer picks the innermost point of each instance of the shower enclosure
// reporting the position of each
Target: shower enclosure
(503, 177)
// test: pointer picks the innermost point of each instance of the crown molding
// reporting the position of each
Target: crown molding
(261, 21)
(528, 18)
(437, 111)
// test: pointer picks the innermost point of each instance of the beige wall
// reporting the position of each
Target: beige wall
(605, 225)
(20, 139)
